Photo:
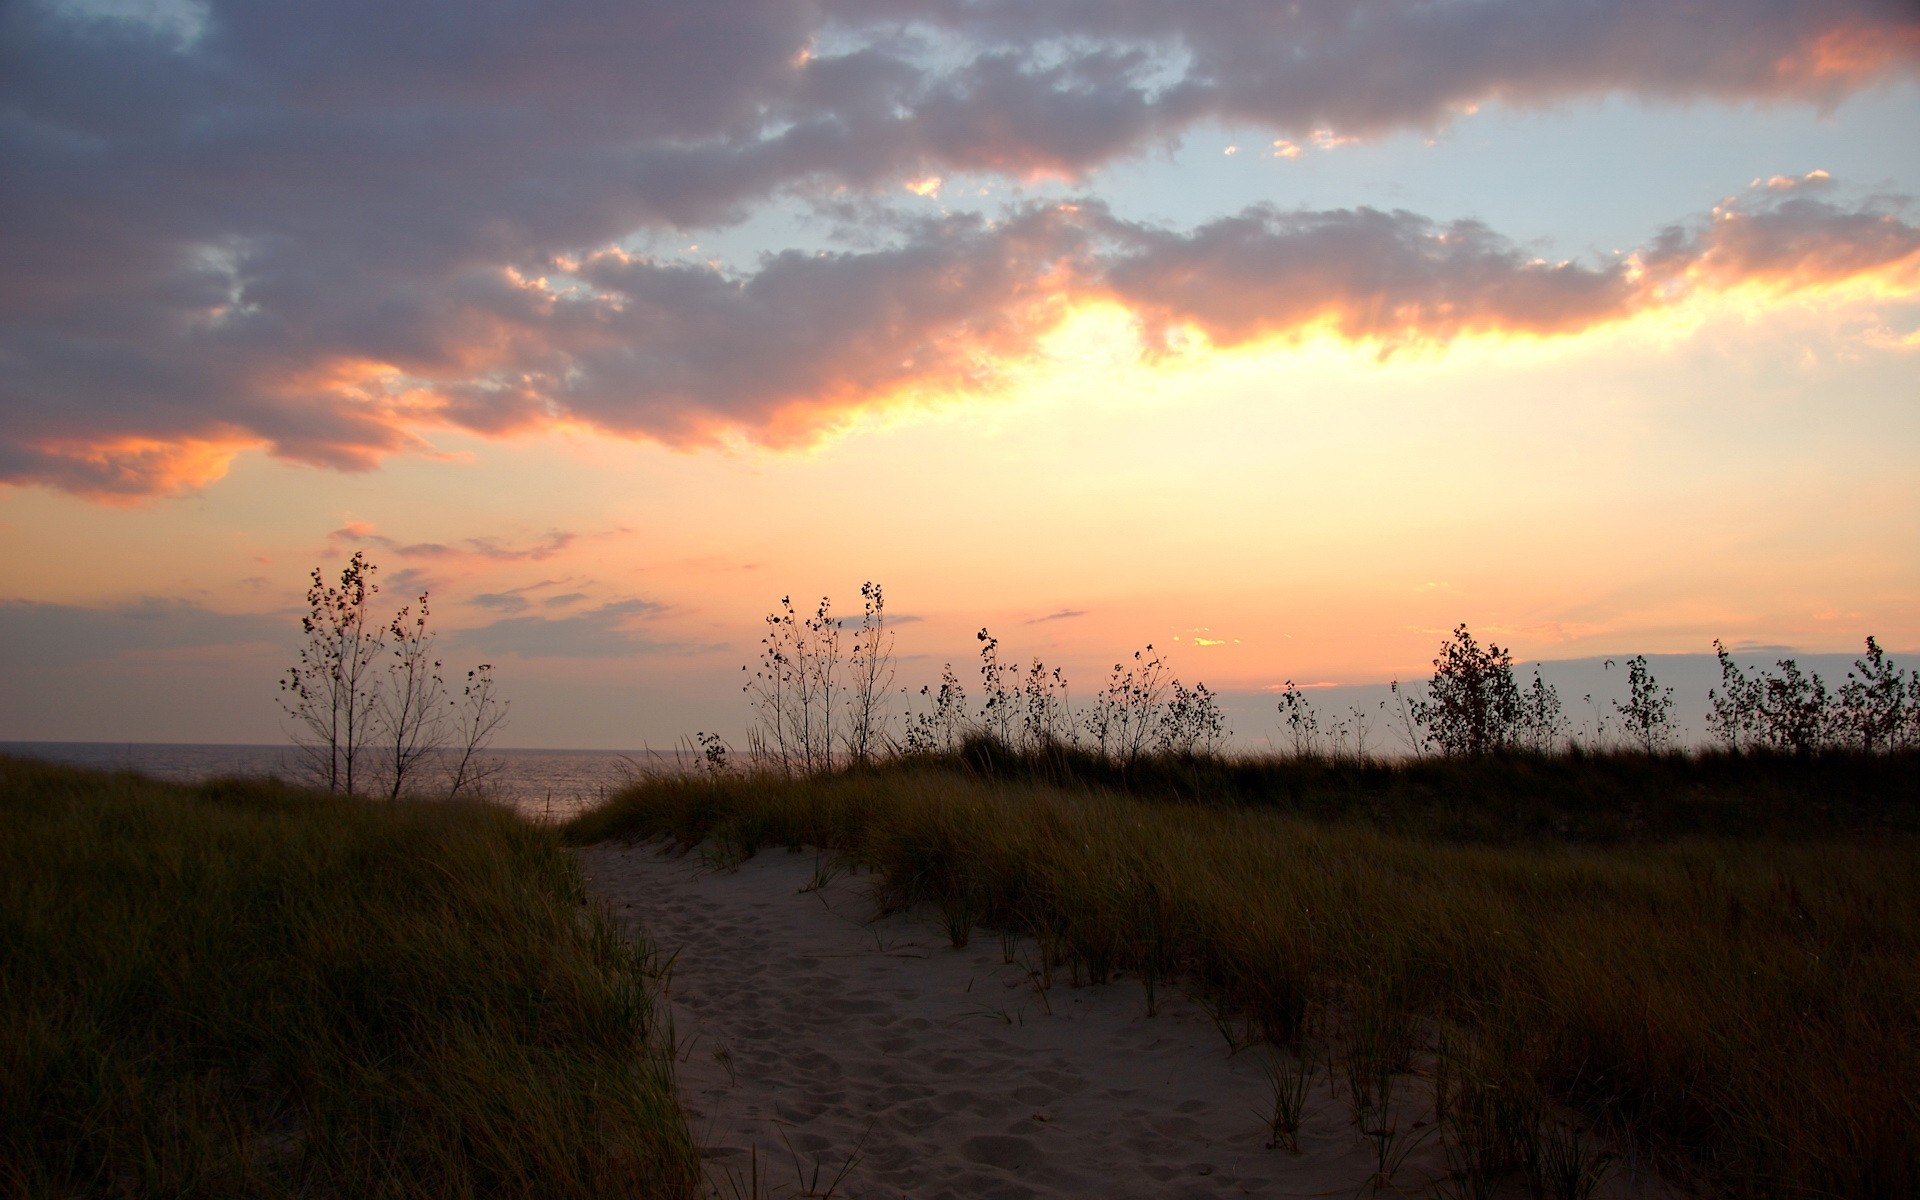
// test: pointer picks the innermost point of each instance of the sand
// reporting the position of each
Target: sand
(810, 1033)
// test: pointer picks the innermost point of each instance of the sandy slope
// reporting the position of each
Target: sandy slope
(810, 1033)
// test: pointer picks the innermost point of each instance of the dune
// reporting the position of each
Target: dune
(823, 1049)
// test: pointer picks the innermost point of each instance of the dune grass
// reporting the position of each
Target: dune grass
(244, 988)
(1744, 1009)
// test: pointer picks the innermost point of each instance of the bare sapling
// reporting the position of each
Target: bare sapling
(871, 664)
(1000, 691)
(1410, 731)
(477, 715)
(1125, 714)
(410, 708)
(1542, 727)
(943, 725)
(796, 688)
(331, 692)
(819, 663)
(769, 685)
(1349, 735)
(1301, 720)
(1046, 718)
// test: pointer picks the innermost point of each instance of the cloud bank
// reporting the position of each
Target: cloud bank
(327, 230)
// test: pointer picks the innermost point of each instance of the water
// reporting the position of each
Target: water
(542, 784)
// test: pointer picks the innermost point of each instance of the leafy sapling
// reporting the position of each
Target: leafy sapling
(1472, 706)
(1734, 706)
(1874, 702)
(1648, 710)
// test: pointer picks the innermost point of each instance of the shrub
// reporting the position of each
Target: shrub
(1472, 705)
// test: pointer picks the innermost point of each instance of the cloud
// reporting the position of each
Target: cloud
(506, 602)
(610, 630)
(688, 354)
(1065, 614)
(489, 549)
(37, 635)
(1390, 276)
(325, 231)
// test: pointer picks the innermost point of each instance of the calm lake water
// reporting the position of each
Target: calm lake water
(544, 784)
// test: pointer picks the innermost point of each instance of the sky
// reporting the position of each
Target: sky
(1283, 337)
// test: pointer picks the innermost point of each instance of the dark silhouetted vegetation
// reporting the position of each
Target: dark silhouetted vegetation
(249, 989)
(369, 705)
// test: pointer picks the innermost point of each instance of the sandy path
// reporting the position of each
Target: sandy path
(805, 1024)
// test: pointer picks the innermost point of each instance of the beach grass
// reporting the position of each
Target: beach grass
(1740, 1006)
(247, 988)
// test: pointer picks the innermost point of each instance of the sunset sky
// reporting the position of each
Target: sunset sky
(1284, 336)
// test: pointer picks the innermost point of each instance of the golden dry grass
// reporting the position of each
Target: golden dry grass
(1746, 1009)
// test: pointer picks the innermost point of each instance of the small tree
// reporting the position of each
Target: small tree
(1647, 714)
(1192, 722)
(1000, 690)
(1404, 707)
(871, 666)
(1472, 705)
(1046, 717)
(1542, 727)
(819, 661)
(1127, 711)
(477, 716)
(1874, 701)
(1302, 722)
(944, 724)
(1734, 706)
(331, 692)
(1794, 709)
(793, 692)
(410, 708)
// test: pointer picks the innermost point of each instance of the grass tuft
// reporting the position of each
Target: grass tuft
(245, 988)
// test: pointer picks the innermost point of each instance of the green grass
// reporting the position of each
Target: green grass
(1745, 1008)
(248, 989)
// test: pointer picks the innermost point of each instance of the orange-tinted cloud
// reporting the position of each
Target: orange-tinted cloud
(639, 347)
(487, 549)
(320, 229)
(126, 469)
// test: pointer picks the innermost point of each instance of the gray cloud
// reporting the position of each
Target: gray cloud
(506, 602)
(608, 631)
(490, 549)
(1065, 614)
(36, 635)
(295, 227)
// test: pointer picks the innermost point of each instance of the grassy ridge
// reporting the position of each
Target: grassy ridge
(1577, 795)
(248, 989)
(1749, 1008)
